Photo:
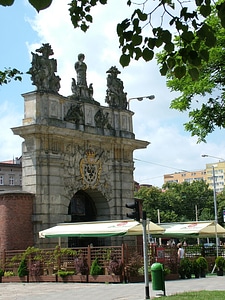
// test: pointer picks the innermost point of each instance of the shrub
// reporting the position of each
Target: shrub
(202, 262)
(1, 272)
(81, 265)
(115, 266)
(185, 268)
(63, 274)
(134, 264)
(8, 273)
(195, 268)
(220, 262)
(141, 271)
(96, 269)
(166, 271)
(22, 270)
(35, 269)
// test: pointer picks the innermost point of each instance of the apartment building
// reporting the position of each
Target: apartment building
(218, 177)
(11, 175)
(213, 174)
(180, 177)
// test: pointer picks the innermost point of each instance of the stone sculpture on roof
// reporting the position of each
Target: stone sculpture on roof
(80, 89)
(115, 95)
(43, 70)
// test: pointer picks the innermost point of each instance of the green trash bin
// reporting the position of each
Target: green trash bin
(158, 280)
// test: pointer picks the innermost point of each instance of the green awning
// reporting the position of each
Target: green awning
(100, 229)
(201, 229)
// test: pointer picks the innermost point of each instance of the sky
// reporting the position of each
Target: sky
(23, 30)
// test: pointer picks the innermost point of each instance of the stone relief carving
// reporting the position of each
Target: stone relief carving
(101, 119)
(43, 70)
(51, 145)
(80, 89)
(89, 116)
(105, 181)
(72, 178)
(115, 95)
(53, 108)
(92, 173)
(75, 115)
(90, 169)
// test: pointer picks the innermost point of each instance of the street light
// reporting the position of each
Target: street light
(214, 191)
(145, 250)
(214, 198)
(151, 97)
(206, 155)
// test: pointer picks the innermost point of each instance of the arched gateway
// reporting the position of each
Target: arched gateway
(77, 155)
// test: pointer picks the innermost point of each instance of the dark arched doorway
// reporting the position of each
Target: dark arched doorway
(82, 209)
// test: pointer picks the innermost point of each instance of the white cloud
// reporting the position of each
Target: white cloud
(10, 144)
(171, 148)
(99, 43)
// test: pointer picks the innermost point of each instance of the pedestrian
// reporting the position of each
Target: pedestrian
(180, 252)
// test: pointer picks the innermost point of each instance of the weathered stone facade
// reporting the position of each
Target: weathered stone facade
(57, 155)
(77, 155)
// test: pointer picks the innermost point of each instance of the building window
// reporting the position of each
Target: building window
(1, 180)
(11, 180)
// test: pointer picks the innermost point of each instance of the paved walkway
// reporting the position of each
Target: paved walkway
(89, 291)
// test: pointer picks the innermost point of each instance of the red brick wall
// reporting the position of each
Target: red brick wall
(16, 229)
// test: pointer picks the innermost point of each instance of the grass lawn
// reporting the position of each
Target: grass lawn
(201, 295)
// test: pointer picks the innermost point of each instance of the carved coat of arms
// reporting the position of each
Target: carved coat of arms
(90, 169)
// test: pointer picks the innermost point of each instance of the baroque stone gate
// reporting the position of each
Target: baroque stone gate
(77, 155)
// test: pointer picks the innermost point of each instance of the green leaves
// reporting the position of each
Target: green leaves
(193, 31)
(221, 13)
(142, 16)
(176, 201)
(205, 10)
(8, 74)
(40, 4)
(80, 12)
(203, 120)
(136, 39)
(6, 2)
(164, 69)
(124, 60)
(185, 56)
(203, 77)
(37, 4)
(194, 73)
(147, 54)
(179, 71)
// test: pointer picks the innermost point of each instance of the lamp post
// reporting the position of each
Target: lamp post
(145, 248)
(145, 252)
(214, 198)
(151, 97)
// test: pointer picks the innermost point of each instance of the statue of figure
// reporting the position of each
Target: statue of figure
(102, 120)
(79, 87)
(74, 88)
(115, 95)
(75, 115)
(81, 69)
(43, 70)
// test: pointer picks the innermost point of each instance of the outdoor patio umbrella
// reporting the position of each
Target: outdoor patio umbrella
(201, 229)
(100, 229)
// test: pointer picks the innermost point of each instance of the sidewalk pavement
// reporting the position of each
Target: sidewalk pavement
(93, 291)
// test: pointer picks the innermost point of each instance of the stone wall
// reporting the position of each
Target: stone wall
(71, 146)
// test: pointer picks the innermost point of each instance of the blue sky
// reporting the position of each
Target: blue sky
(23, 30)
